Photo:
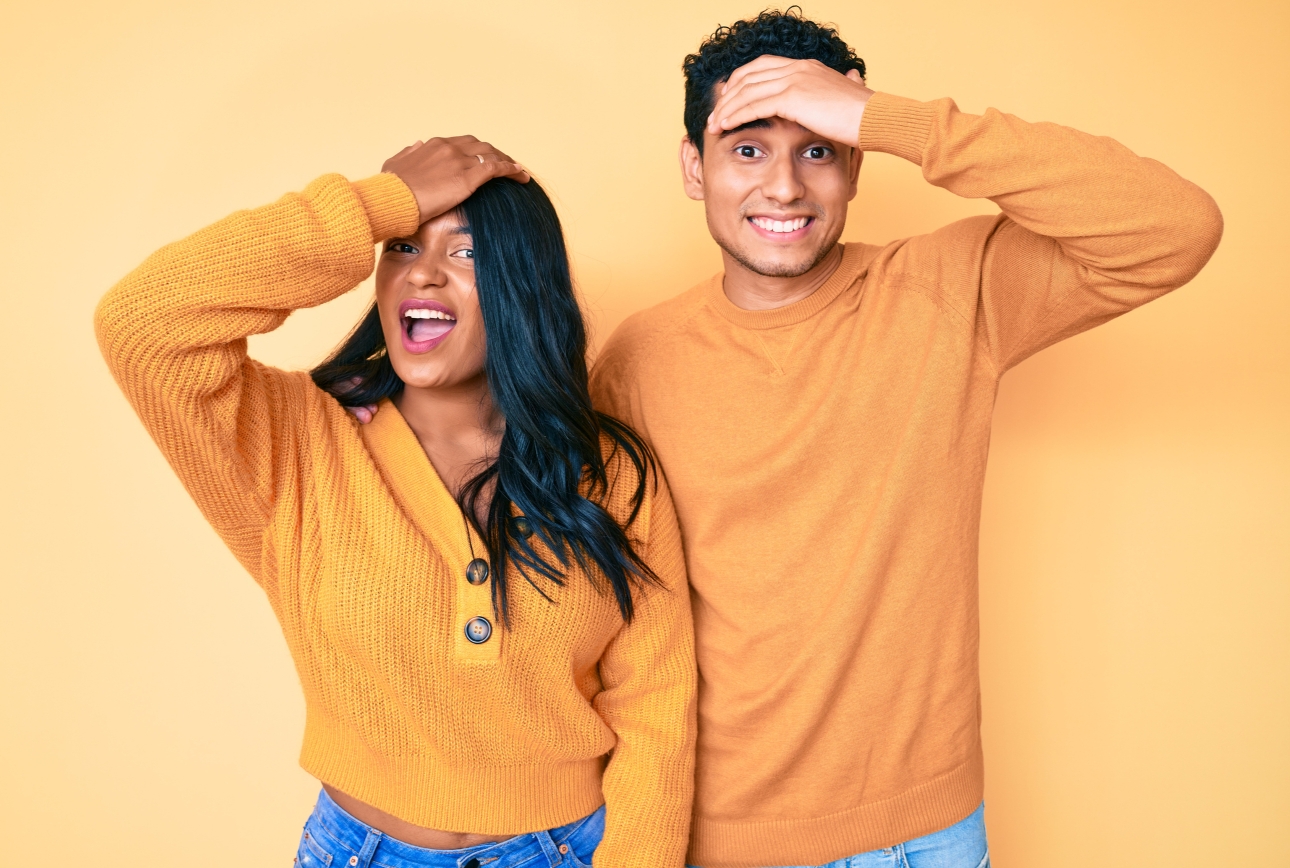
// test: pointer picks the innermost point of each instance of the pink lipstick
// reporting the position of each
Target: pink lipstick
(425, 323)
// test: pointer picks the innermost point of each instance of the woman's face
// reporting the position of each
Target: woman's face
(425, 291)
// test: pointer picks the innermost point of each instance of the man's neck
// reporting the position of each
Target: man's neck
(752, 291)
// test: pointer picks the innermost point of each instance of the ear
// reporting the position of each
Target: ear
(853, 170)
(854, 75)
(691, 169)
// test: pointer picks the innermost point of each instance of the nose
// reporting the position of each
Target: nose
(782, 183)
(427, 270)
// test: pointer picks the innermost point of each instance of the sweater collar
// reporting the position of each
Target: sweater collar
(413, 481)
(853, 262)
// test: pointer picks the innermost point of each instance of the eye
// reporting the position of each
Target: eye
(748, 151)
(400, 247)
(817, 152)
(464, 253)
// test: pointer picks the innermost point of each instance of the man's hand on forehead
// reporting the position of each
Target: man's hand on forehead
(802, 91)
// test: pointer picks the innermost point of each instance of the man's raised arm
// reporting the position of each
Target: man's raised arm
(1089, 229)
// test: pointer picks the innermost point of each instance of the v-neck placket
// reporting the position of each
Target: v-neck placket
(431, 508)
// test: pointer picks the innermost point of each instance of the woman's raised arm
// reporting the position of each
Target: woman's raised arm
(174, 335)
(174, 330)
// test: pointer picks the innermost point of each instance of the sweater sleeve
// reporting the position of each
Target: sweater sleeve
(648, 698)
(174, 335)
(1089, 230)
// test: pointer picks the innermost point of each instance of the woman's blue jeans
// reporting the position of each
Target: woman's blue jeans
(960, 846)
(334, 839)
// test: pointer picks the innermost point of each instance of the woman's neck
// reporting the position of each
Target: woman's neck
(458, 426)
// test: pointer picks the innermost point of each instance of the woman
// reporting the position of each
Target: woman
(482, 588)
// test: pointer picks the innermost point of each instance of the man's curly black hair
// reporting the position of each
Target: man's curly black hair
(786, 34)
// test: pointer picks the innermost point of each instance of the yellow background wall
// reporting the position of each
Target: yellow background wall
(1135, 559)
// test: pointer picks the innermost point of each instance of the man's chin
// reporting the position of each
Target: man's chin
(778, 267)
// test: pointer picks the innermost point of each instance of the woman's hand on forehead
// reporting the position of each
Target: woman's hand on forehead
(442, 173)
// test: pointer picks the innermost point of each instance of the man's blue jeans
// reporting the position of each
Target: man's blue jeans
(960, 846)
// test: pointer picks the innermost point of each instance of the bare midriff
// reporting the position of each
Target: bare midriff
(409, 833)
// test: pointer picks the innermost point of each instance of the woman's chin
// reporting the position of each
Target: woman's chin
(439, 377)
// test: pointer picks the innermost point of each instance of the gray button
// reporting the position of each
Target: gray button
(478, 630)
(477, 571)
(521, 526)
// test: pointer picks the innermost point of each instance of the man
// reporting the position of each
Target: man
(822, 415)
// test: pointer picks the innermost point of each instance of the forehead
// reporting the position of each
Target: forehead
(445, 225)
(765, 129)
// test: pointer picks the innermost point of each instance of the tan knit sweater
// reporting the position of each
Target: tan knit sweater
(362, 553)
(827, 461)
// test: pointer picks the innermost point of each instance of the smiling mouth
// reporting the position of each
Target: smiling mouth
(425, 325)
(781, 227)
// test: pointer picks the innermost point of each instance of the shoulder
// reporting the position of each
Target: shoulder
(648, 333)
(945, 267)
(642, 342)
(954, 246)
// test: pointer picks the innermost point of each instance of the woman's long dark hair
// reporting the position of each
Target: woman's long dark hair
(537, 373)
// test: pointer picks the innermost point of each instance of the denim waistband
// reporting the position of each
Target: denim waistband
(341, 840)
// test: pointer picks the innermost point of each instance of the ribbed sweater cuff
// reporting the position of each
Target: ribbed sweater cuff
(391, 208)
(896, 125)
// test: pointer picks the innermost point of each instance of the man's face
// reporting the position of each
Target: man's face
(775, 193)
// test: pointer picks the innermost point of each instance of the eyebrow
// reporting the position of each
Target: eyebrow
(461, 230)
(759, 124)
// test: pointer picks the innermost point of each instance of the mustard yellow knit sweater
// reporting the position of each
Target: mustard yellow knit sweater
(363, 552)
(831, 503)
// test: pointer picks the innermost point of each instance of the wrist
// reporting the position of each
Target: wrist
(898, 126)
(863, 100)
(392, 208)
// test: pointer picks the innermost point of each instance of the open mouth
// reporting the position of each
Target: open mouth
(425, 324)
(791, 228)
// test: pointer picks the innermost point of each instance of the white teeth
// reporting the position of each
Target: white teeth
(781, 225)
(426, 313)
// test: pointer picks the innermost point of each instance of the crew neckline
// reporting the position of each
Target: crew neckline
(848, 270)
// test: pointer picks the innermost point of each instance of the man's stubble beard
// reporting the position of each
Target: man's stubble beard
(778, 270)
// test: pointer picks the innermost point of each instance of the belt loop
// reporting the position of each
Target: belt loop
(364, 857)
(549, 849)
